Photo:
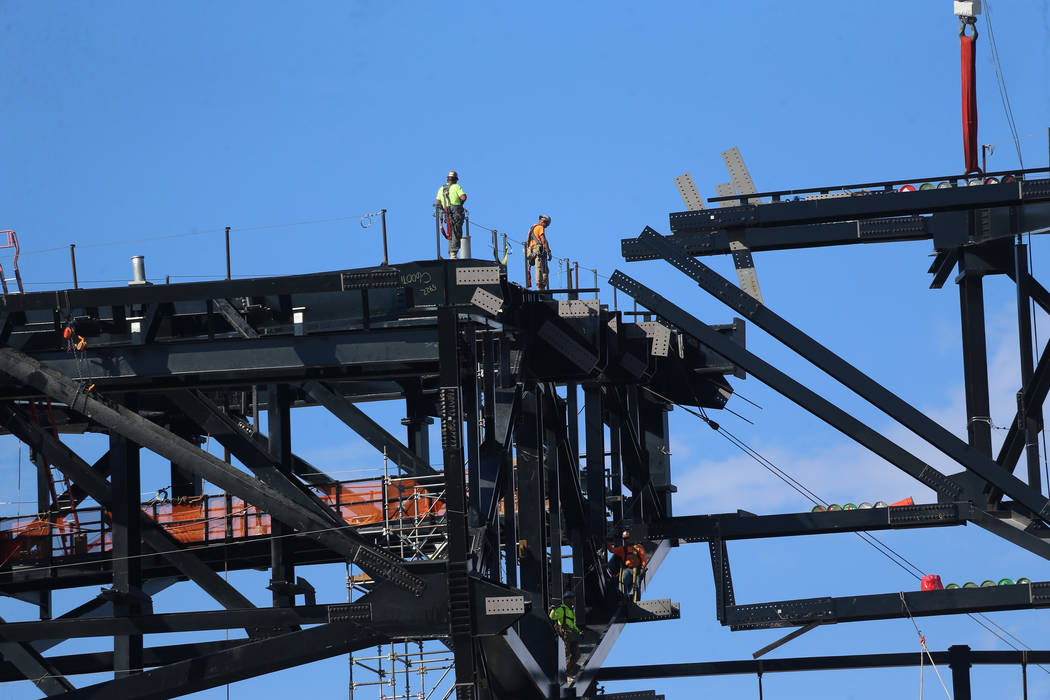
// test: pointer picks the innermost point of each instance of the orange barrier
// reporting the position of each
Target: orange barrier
(206, 519)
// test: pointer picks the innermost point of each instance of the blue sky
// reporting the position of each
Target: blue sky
(125, 122)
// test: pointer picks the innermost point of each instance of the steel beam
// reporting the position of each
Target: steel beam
(839, 662)
(456, 506)
(368, 429)
(127, 549)
(887, 606)
(102, 661)
(343, 540)
(279, 426)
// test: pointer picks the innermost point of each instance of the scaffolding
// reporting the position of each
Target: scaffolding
(402, 671)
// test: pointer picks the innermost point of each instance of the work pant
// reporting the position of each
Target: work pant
(537, 257)
(455, 229)
(571, 639)
(628, 581)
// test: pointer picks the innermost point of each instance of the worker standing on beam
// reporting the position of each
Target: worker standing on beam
(450, 198)
(563, 616)
(633, 562)
(539, 251)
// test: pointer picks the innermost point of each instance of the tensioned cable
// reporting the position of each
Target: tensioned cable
(202, 232)
(1001, 81)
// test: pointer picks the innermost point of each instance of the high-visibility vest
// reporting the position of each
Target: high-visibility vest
(535, 240)
(565, 616)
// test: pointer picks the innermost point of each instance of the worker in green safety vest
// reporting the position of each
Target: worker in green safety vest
(563, 616)
(450, 198)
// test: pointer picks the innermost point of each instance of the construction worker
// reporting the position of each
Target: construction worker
(563, 616)
(450, 198)
(539, 250)
(633, 562)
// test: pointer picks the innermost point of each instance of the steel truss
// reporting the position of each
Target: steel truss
(470, 558)
(978, 229)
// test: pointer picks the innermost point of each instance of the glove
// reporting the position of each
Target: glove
(549, 256)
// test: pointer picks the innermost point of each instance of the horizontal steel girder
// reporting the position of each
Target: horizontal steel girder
(383, 352)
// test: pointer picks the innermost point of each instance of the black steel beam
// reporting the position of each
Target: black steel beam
(1033, 395)
(343, 540)
(224, 307)
(372, 432)
(788, 387)
(102, 661)
(838, 662)
(387, 352)
(702, 243)
(279, 426)
(254, 453)
(336, 281)
(745, 526)
(867, 206)
(887, 606)
(461, 625)
(272, 618)
(234, 664)
(127, 549)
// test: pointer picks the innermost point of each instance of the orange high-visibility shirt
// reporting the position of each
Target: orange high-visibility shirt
(537, 238)
(633, 556)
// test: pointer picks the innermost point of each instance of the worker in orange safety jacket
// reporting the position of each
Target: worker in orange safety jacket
(633, 562)
(539, 250)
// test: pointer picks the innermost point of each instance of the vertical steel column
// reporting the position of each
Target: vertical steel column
(43, 505)
(184, 483)
(615, 495)
(552, 466)
(417, 421)
(572, 409)
(1031, 424)
(594, 435)
(471, 393)
(509, 530)
(282, 568)
(460, 615)
(127, 548)
(959, 661)
(534, 628)
(655, 435)
(975, 354)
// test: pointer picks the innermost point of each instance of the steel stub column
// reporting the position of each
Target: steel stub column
(282, 569)
(959, 661)
(459, 608)
(417, 421)
(1030, 423)
(534, 629)
(127, 550)
(975, 352)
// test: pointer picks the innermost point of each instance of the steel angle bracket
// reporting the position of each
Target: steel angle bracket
(659, 334)
(487, 301)
(653, 610)
(687, 188)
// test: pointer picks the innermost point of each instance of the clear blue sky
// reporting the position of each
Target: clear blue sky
(124, 122)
